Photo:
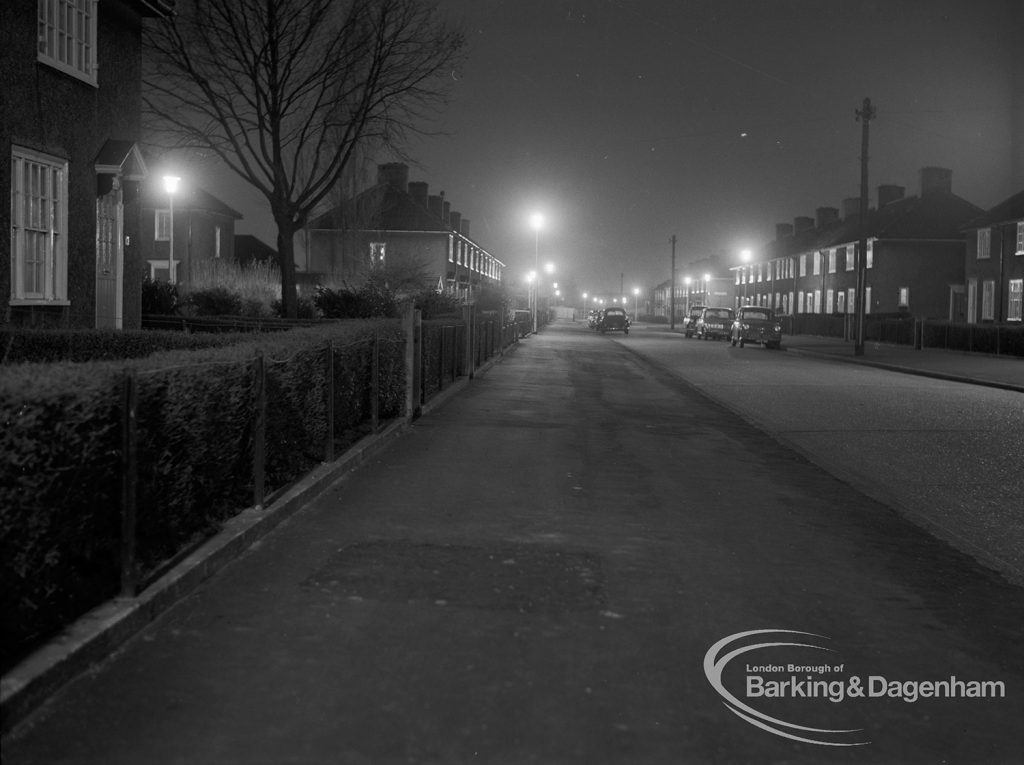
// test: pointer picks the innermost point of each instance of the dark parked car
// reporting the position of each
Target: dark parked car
(714, 323)
(690, 322)
(754, 324)
(613, 320)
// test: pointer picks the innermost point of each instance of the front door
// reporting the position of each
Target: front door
(110, 258)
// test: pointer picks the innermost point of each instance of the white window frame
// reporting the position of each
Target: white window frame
(216, 241)
(162, 225)
(870, 259)
(972, 301)
(903, 297)
(816, 269)
(867, 299)
(39, 218)
(830, 301)
(1020, 238)
(832, 262)
(378, 253)
(66, 37)
(984, 243)
(851, 259)
(988, 300)
(1015, 304)
(841, 301)
(851, 300)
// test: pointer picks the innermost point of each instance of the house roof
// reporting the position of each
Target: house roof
(1008, 211)
(380, 208)
(122, 158)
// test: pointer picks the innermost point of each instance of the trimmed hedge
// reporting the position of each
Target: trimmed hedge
(19, 346)
(60, 485)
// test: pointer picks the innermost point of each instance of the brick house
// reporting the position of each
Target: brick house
(915, 255)
(69, 129)
(994, 264)
(398, 227)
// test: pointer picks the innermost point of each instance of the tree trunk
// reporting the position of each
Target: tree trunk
(286, 256)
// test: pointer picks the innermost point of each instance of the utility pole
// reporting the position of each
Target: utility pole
(622, 281)
(672, 286)
(865, 115)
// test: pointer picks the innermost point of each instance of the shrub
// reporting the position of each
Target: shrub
(159, 297)
(372, 300)
(19, 346)
(215, 301)
(434, 304)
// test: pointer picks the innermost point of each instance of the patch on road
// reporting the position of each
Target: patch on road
(524, 578)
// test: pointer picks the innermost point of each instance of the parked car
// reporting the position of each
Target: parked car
(755, 324)
(714, 323)
(690, 322)
(613, 320)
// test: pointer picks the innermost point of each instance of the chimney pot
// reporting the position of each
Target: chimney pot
(802, 223)
(418, 191)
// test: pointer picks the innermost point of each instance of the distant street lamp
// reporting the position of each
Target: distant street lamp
(171, 186)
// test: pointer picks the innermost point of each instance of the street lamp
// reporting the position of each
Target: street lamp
(636, 298)
(745, 256)
(707, 289)
(687, 280)
(171, 186)
(537, 221)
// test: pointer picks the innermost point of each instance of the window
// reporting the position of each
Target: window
(830, 301)
(984, 243)
(841, 302)
(904, 297)
(851, 257)
(377, 252)
(1020, 238)
(800, 302)
(1014, 308)
(851, 300)
(760, 271)
(972, 301)
(216, 241)
(867, 300)
(832, 261)
(67, 37)
(803, 265)
(817, 264)
(817, 301)
(162, 226)
(988, 300)
(39, 216)
(870, 260)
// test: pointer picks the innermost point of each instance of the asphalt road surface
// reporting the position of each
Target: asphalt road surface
(564, 565)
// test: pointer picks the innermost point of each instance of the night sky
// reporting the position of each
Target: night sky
(627, 121)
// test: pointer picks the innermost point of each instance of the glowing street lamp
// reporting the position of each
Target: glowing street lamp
(171, 186)
(537, 221)
(745, 256)
(636, 299)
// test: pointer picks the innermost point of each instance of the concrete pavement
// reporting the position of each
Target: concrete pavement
(535, 573)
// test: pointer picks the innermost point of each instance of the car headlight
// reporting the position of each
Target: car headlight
(744, 327)
(778, 327)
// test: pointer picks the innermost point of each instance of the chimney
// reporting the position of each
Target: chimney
(394, 174)
(454, 220)
(826, 216)
(418, 191)
(936, 180)
(465, 227)
(782, 230)
(802, 223)
(889, 192)
(435, 205)
(851, 208)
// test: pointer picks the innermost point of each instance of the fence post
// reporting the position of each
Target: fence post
(411, 326)
(129, 482)
(375, 383)
(259, 429)
(467, 318)
(329, 400)
(442, 344)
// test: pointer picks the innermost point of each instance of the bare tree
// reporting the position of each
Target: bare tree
(285, 91)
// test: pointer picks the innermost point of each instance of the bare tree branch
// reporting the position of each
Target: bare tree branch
(285, 92)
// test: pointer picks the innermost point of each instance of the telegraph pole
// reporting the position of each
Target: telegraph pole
(672, 286)
(865, 115)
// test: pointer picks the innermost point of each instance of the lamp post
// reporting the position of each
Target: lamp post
(171, 186)
(537, 221)
(687, 281)
(745, 256)
(636, 298)
(707, 289)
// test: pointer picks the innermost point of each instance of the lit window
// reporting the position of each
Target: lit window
(803, 265)
(841, 302)
(377, 250)
(832, 261)
(1014, 308)
(817, 263)
(830, 301)
(904, 299)
(67, 37)
(867, 300)
(1020, 238)
(972, 301)
(851, 300)
(870, 261)
(216, 241)
(984, 243)
(851, 257)
(162, 226)
(39, 215)
(817, 301)
(988, 300)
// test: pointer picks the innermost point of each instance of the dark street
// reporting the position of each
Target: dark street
(537, 571)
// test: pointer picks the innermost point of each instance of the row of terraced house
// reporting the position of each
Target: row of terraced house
(931, 255)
